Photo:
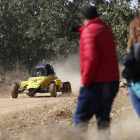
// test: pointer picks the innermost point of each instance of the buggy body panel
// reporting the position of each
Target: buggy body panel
(42, 76)
(24, 83)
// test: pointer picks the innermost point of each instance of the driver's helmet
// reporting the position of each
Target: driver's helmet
(37, 73)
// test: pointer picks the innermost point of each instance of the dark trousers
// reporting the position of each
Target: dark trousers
(96, 99)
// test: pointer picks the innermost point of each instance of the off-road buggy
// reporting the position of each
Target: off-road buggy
(43, 80)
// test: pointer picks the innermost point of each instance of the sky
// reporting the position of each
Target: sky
(134, 2)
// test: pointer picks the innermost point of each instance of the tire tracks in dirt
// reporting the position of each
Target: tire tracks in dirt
(23, 114)
(9, 105)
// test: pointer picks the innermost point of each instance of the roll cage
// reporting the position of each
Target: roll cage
(42, 70)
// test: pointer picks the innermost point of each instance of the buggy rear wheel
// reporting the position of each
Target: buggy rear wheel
(66, 87)
(14, 90)
(53, 90)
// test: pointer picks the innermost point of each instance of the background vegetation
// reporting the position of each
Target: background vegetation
(32, 30)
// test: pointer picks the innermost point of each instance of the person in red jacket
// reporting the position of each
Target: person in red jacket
(99, 70)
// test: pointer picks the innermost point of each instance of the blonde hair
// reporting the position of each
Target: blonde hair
(134, 33)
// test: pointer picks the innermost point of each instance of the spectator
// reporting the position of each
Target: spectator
(99, 70)
(132, 62)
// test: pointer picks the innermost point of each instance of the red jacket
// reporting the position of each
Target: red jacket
(97, 53)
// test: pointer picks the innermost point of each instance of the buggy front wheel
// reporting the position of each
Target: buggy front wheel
(14, 90)
(53, 90)
(31, 92)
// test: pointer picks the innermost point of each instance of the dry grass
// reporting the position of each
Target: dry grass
(8, 78)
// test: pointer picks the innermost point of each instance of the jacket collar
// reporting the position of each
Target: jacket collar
(95, 20)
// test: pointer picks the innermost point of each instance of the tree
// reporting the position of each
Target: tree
(32, 30)
(118, 15)
(35, 29)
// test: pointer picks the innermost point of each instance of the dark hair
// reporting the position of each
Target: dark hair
(89, 11)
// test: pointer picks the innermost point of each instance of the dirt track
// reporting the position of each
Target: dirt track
(19, 117)
(9, 105)
(24, 114)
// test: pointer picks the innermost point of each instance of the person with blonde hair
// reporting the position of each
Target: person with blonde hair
(132, 64)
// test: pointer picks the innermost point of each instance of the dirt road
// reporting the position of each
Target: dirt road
(24, 114)
(9, 105)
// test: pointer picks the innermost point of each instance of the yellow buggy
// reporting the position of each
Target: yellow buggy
(43, 80)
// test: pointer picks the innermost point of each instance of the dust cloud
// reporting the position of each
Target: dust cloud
(124, 130)
(69, 70)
